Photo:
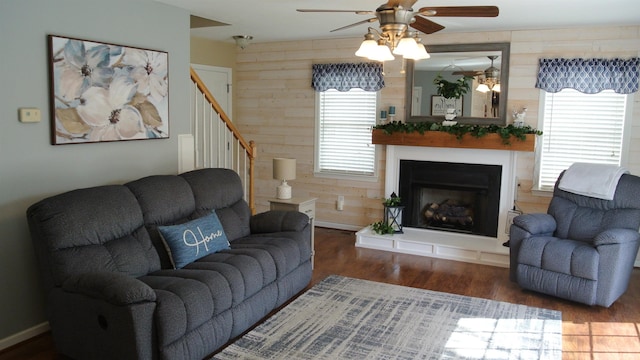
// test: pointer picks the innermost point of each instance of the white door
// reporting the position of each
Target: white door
(218, 81)
(211, 140)
(416, 102)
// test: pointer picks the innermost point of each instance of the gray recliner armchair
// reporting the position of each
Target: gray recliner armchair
(583, 249)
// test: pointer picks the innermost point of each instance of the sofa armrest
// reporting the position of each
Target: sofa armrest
(616, 236)
(536, 224)
(274, 221)
(114, 288)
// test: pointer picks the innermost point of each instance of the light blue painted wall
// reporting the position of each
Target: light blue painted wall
(31, 168)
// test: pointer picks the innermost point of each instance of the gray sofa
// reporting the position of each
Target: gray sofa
(583, 249)
(112, 292)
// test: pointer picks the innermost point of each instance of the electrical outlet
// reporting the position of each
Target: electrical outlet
(511, 214)
(340, 203)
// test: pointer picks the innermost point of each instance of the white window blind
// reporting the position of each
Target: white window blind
(579, 128)
(343, 142)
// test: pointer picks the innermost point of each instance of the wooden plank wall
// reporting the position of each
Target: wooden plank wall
(276, 108)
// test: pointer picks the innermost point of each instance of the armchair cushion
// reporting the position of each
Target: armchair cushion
(568, 257)
(193, 240)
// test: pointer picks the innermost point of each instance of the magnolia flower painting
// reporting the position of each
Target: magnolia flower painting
(104, 92)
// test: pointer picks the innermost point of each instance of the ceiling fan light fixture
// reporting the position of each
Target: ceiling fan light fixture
(420, 51)
(368, 47)
(496, 87)
(242, 41)
(382, 52)
(406, 45)
(483, 88)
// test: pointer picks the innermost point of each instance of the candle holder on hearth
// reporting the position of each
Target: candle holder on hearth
(393, 213)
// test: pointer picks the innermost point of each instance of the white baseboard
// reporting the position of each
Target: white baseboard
(24, 335)
(331, 225)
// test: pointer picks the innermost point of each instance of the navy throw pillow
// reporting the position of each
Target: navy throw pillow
(190, 241)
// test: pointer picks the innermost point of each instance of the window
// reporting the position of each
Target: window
(343, 132)
(579, 127)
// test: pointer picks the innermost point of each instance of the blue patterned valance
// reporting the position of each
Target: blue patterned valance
(589, 76)
(344, 77)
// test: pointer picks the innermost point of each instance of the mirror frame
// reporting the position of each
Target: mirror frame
(504, 48)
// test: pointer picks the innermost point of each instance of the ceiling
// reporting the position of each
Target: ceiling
(278, 20)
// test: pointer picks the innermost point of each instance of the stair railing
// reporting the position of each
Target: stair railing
(217, 141)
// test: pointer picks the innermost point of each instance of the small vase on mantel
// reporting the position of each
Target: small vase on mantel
(450, 114)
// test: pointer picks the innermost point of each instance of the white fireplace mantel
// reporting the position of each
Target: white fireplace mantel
(443, 244)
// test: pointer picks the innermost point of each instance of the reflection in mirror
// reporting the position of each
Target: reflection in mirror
(484, 103)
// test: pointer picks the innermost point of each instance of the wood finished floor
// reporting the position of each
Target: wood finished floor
(588, 332)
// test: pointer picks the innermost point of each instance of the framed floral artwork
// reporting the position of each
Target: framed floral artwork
(105, 92)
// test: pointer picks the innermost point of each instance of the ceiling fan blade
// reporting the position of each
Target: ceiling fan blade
(461, 11)
(467, 73)
(355, 24)
(426, 26)
(359, 12)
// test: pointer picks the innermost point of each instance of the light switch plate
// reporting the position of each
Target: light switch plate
(29, 115)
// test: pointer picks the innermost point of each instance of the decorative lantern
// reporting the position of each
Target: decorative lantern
(393, 213)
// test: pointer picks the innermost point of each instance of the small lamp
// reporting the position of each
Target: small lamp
(284, 169)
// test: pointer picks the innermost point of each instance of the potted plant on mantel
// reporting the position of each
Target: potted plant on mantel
(451, 90)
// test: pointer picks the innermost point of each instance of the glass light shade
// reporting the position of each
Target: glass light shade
(483, 88)
(382, 53)
(496, 88)
(367, 48)
(419, 53)
(406, 45)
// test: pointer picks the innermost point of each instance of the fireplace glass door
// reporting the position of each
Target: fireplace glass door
(447, 196)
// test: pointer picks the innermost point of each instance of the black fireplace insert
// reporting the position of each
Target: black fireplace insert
(446, 196)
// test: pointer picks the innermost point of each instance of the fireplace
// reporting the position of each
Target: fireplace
(464, 243)
(446, 196)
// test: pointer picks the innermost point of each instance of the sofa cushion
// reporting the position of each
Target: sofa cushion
(286, 252)
(186, 299)
(90, 230)
(221, 190)
(164, 200)
(193, 240)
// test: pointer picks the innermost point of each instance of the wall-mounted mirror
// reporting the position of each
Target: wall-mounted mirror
(486, 100)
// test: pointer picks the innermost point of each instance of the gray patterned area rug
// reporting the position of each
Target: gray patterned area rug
(345, 318)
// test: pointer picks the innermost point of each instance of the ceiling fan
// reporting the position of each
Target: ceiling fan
(399, 14)
(489, 79)
(395, 18)
(490, 72)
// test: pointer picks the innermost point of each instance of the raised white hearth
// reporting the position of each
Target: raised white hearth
(438, 244)
(445, 244)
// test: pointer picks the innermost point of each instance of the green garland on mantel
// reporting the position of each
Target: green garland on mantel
(460, 130)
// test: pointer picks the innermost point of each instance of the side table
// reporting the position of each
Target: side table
(304, 205)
